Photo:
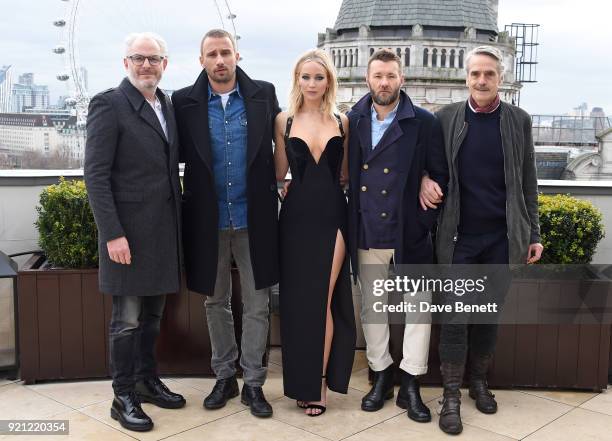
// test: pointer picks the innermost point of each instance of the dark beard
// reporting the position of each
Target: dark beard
(385, 101)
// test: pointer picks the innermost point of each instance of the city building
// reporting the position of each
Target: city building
(432, 39)
(6, 88)
(27, 95)
(27, 79)
(49, 134)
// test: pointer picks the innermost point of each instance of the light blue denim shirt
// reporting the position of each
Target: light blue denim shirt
(228, 140)
(379, 127)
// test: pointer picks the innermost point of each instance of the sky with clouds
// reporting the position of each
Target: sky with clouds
(575, 36)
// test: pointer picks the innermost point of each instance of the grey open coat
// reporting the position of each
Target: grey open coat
(520, 176)
(132, 179)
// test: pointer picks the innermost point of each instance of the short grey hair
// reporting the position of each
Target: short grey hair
(489, 51)
(219, 33)
(131, 38)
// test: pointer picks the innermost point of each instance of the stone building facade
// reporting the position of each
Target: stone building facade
(43, 133)
(431, 37)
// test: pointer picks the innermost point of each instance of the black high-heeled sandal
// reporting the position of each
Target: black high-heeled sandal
(316, 406)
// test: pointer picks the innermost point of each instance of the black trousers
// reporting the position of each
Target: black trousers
(134, 328)
(455, 338)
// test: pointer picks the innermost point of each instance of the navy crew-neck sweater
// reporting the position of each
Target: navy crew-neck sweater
(481, 175)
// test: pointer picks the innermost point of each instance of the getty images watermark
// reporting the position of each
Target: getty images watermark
(424, 285)
(487, 294)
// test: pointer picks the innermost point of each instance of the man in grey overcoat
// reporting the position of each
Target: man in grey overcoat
(131, 173)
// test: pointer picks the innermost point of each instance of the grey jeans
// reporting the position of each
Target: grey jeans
(254, 318)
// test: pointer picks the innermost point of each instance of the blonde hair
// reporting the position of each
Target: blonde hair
(296, 99)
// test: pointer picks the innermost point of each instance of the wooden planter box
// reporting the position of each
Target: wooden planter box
(565, 356)
(63, 326)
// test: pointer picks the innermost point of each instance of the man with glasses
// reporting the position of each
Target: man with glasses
(131, 173)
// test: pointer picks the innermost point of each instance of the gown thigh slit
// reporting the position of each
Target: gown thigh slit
(313, 212)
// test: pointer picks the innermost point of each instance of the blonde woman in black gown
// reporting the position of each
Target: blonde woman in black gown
(316, 307)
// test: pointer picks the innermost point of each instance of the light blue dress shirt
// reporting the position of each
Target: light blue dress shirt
(379, 127)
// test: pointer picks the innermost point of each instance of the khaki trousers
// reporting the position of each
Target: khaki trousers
(374, 265)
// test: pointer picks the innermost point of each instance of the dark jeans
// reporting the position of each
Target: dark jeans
(134, 328)
(488, 248)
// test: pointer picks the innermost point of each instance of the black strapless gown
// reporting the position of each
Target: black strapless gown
(313, 211)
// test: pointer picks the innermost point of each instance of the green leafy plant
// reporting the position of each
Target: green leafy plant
(571, 229)
(66, 226)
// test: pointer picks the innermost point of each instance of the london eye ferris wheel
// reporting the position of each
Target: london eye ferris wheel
(73, 74)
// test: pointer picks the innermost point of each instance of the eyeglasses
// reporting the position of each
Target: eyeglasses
(139, 60)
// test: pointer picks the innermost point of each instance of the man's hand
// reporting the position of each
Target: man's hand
(119, 250)
(535, 253)
(285, 189)
(343, 179)
(430, 194)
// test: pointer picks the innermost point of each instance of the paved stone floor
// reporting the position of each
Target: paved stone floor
(523, 414)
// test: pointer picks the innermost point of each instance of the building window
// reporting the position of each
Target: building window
(434, 58)
(344, 58)
(461, 59)
(371, 51)
(356, 59)
(425, 57)
(443, 58)
(452, 58)
(407, 59)
(350, 59)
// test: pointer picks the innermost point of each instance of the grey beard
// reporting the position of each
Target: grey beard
(382, 101)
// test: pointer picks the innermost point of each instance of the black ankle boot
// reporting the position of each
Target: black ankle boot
(152, 390)
(382, 389)
(479, 390)
(126, 409)
(409, 397)
(253, 397)
(450, 415)
(224, 389)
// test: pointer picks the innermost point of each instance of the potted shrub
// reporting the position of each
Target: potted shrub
(66, 226)
(571, 229)
(572, 356)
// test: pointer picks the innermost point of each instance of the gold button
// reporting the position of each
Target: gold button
(384, 192)
(365, 166)
(386, 171)
(383, 215)
(364, 188)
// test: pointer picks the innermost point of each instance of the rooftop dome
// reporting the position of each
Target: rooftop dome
(478, 14)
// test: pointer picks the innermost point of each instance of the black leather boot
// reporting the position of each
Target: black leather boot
(126, 409)
(223, 390)
(382, 389)
(152, 390)
(253, 397)
(479, 390)
(450, 415)
(409, 397)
